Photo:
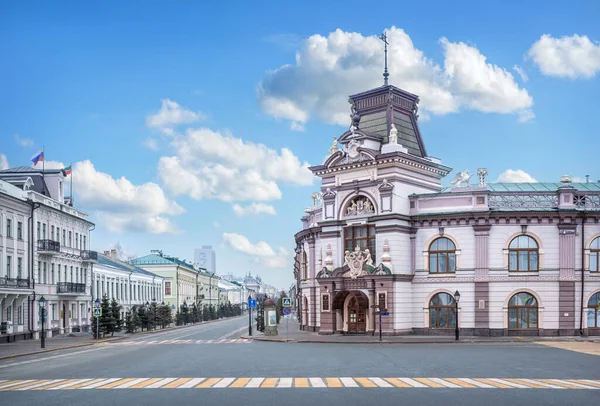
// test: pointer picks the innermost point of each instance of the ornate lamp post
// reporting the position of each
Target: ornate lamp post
(42, 313)
(456, 300)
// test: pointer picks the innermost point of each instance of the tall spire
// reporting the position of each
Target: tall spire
(383, 37)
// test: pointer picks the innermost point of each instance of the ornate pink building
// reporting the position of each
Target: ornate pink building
(384, 234)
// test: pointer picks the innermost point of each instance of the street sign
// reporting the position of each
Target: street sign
(97, 311)
(287, 316)
(287, 310)
(44, 313)
(252, 303)
(286, 301)
(385, 313)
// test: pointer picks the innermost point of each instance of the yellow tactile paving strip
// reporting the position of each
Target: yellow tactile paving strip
(585, 347)
(328, 382)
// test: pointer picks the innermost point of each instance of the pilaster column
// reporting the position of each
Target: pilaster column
(566, 287)
(482, 233)
(482, 289)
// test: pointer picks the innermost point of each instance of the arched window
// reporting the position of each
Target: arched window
(523, 254)
(522, 311)
(442, 256)
(595, 255)
(594, 310)
(442, 311)
(304, 266)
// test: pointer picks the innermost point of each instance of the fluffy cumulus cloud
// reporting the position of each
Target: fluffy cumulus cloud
(24, 142)
(253, 209)
(170, 115)
(515, 176)
(573, 57)
(212, 165)
(262, 252)
(151, 143)
(121, 205)
(328, 69)
(3, 162)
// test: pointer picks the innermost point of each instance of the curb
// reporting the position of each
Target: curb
(60, 348)
(180, 327)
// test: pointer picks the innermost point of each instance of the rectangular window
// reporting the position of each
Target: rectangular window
(64, 237)
(38, 231)
(52, 233)
(70, 239)
(82, 309)
(594, 261)
(52, 274)
(73, 311)
(44, 231)
(57, 234)
(361, 236)
(20, 315)
(58, 273)
(76, 240)
(71, 275)
(167, 288)
(325, 303)
(19, 267)
(20, 230)
(9, 228)
(39, 271)
(9, 266)
(77, 274)
(54, 312)
(84, 242)
(44, 276)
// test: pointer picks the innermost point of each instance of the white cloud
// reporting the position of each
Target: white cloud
(261, 251)
(328, 69)
(210, 165)
(49, 165)
(216, 224)
(151, 143)
(573, 57)
(24, 142)
(121, 205)
(515, 176)
(170, 115)
(521, 73)
(3, 162)
(254, 208)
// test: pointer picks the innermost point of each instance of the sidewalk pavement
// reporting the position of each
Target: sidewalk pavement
(298, 336)
(75, 340)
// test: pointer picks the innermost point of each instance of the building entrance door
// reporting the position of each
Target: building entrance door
(357, 317)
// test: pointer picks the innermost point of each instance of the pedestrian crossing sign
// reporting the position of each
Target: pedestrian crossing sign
(97, 311)
(286, 302)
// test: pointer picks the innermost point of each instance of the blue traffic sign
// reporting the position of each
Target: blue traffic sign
(385, 313)
(286, 302)
(97, 311)
(252, 303)
(287, 310)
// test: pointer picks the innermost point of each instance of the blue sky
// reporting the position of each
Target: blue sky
(88, 81)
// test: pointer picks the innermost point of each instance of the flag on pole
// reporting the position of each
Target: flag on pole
(67, 170)
(39, 156)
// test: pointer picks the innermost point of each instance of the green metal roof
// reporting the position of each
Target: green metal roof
(104, 260)
(155, 259)
(541, 187)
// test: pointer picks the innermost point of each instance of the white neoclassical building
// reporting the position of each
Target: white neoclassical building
(128, 284)
(520, 259)
(44, 252)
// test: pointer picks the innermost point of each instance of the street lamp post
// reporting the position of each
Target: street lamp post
(249, 317)
(42, 311)
(456, 300)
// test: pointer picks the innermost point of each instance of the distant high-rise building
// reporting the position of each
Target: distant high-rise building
(205, 257)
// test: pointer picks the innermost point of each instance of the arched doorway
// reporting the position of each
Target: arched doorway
(351, 309)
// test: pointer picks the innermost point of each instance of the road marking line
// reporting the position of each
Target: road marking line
(349, 383)
(50, 386)
(31, 385)
(66, 385)
(578, 384)
(192, 383)
(223, 383)
(500, 383)
(85, 384)
(255, 382)
(208, 383)
(565, 385)
(398, 383)
(240, 383)
(445, 383)
(176, 383)
(209, 341)
(160, 383)
(148, 381)
(365, 382)
(537, 381)
(13, 383)
(116, 383)
(460, 382)
(585, 381)
(333, 383)
(285, 383)
(131, 383)
(269, 383)
(413, 383)
(429, 383)
(381, 383)
(526, 383)
(300, 383)
(100, 383)
(317, 383)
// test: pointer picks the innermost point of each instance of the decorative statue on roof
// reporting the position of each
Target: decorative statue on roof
(334, 147)
(354, 116)
(393, 134)
(461, 179)
(482, 173)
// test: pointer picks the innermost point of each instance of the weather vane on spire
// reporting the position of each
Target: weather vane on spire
(384, 37)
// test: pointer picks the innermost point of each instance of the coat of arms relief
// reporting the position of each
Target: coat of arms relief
(355, 261)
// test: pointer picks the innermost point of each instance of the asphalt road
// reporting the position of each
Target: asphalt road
(212, 355)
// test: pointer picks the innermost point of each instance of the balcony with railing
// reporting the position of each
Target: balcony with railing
(16, 283)
(89, 256)
(48, 247)
(70, 287)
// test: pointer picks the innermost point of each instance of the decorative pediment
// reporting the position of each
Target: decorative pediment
(329, 194)
(359, 206)
(385, 185)
(324, 273)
